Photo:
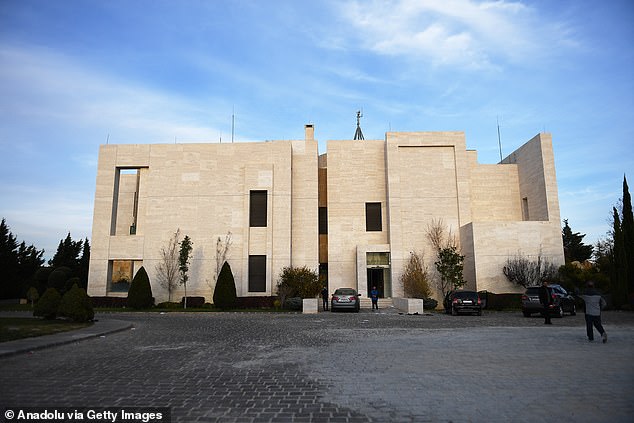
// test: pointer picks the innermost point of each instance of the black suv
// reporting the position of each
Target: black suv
(457, 302)
(562, 302)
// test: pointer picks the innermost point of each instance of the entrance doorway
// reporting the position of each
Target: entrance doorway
(375, 278)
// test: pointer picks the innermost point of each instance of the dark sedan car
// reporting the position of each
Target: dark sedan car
(457, 302)
(345, 299)
(562, 302)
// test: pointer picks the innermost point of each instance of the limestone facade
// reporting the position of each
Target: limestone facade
(377, 198)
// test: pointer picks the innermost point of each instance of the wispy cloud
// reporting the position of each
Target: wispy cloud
(472, 34)
(41, 84)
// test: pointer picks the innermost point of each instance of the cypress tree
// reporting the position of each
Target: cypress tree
(619, 275)
(627, 227)
(140, 292)
(225, 291)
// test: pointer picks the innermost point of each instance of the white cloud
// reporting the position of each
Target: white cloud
(464, 33)
(41, 84)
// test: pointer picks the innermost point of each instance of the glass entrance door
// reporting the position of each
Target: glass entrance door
(376, 279)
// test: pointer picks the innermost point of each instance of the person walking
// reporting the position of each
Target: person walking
(546, 301)
(324, 298)
(594, 303)
(374, 295)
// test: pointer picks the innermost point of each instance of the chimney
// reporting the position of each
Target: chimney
(309, 132)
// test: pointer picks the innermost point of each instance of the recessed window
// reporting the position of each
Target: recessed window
(257, 273)
(323, 220)
(257, 209)
(373, 217)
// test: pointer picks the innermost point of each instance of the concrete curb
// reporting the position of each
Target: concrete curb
(28, 345)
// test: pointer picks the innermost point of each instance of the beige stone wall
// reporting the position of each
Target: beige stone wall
(418, 177)
(356, 175)
(428, 180)
(203, 190)
(531, 175)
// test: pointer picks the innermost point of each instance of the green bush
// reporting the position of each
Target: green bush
(429, 304)
(70, 282)
(76, 305)
(58, 277)
(225, 291)
(300, 282)
(294, 303)
(140, 292)
(47, 306)
(169, 305)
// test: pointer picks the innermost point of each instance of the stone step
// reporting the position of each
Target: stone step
(383, 302)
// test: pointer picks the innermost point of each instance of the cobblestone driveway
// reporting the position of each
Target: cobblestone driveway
(339, 367)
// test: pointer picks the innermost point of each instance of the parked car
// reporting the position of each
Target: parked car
(345, 299)
(562, 303)
(457, 302)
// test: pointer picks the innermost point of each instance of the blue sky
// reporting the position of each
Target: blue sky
(74, 74)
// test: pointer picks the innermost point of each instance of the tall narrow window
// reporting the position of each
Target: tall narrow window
(525, 208)
(323, 220)
(373, 217)
(257, 273)
(257, 209)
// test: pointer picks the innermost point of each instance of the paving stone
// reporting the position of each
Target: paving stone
(343, 367)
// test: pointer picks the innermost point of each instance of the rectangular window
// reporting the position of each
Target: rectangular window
(323, 220)
(257, 209)
(525, 208)
(257, 273)
(373, 217)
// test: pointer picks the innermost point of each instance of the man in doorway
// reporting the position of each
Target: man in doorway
(374, 295)
(324, 298)
(546, 301)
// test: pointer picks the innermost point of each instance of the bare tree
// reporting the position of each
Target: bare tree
(415, 277)
(222, 249)
(523, 271)
(449, 262)
(167, 267)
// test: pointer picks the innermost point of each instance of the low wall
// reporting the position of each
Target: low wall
(310, 306)
(409, 305)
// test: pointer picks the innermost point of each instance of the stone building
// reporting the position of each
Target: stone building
(355, 212)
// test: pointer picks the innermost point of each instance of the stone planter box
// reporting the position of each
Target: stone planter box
(310, 305)
(409, 305)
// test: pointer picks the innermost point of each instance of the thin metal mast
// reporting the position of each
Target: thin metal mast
(358, 135)
(499, 139)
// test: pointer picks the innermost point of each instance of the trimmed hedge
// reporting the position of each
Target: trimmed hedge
(195, 302)
(225, 291)
(48, 305)
(109, 302)
(502, 301)
(256, 302)
(76, 305)
(140, 292)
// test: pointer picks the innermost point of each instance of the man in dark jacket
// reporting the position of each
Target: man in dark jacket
(324, 298)
(546, 300)
(594, 303)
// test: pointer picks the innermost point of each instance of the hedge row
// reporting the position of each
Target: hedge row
(501, 301)
(193, 302)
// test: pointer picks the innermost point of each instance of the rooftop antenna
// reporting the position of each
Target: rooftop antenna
(233, 122)
(499, 139)
(358, 135)
(108, 139)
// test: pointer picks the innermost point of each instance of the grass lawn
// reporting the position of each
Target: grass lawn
(12, 328)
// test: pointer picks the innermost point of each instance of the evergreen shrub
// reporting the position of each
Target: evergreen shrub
(140, 292)
(108, 302)
(48, 304)
(196, 302)
(58, 277)
(76, 305)
(225, 292)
